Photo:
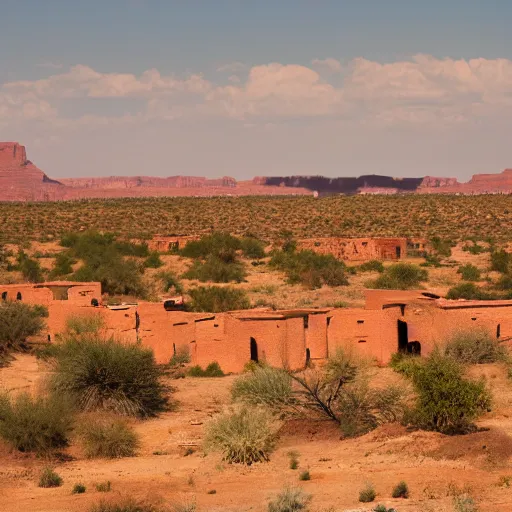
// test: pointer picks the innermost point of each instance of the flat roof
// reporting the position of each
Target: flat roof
(466, 304)
(50, 283)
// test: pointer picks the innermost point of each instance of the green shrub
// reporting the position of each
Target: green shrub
(170, 281)
(468, 291)
(18, 321)
(49, 479)
(361, 409)
(212, 370)
(475, 346)
(469, 272)
(500, 261)
(78, 489)
(290, 499)
(447, 402)
(401, 490)
(63, 265)
(84, 324)
(367, 494)
(125, 504)
(29, 268)
(400, 276)
(310, 269)
(253, 248)
(441, 247)
(39, 425)
(104, 486)
(181, 357)
(404, 363)
(153, 260)
(372, 266)
(383, 508)
(102, 373)
(244, 435)
(109, 438)
(265, 386)
(464, 503)
(294, 459)
(216, 299)
(220, 245)
(474, 248)
(215, 270)
(305, 476)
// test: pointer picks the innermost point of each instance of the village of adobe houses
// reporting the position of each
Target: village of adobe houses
(391, 320)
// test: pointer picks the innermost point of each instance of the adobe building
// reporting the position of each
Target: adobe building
(169, 243)
(391, 321)
(357, 249)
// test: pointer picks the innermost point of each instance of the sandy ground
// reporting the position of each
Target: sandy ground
(434, 466)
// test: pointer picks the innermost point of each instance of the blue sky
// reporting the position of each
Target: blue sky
(242, 117)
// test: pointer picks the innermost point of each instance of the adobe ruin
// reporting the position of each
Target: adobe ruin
(391, 321)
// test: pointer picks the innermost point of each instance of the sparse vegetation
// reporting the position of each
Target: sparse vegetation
(475, 346)
(294, 459)
(107, 437)
(212, 370)
(372, 266)
(106, 374)
(244, 435)
(40, 424)
(464, 503)
(290, 499)
(469, 272)
(49, 478)
(216, 270)
(305, 475)
(400, 276)
(125, 504)
(104, 486)
(401, 490)
(78, 489)
(367, 494)
(18, 321)
(216, 299)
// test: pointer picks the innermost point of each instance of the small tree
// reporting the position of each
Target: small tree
(18, 321)
(447, 402)
(401, 276)
(215, 299)
(469, 272)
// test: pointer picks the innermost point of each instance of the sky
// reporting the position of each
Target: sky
(248, 88)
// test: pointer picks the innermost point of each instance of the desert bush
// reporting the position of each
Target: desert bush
(371, 266)
(447, 402)
(474, 248)
(382, 508)
(216, 299)
(253, 248)
(180, 358)
(170, 281)
(78, 489)
(63, 265)
(294, 459)
(290, 499)
(107, 437)
(153, 260)
(101, 373)
(49, 478)
(104, 486)
(40, 424)
(212, 370)
(361, 409)
(464, 503)
(442, 247)
(84, 324)
(30, 269)
(401, 490)
(475, 346)
(264, 386)
(501, 261)
(244, 435)
(367, 494)
(220, 245)
(309, 268)
(18, 321)
(400, 276)
(468, 291)
(215, 270)
(404, 363)
(125, 504)
(305, 476)
(469, 272)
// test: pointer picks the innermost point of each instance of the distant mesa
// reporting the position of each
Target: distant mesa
(21, 180)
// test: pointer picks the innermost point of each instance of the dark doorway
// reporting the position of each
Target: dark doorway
(18, 296)
(398, 251)
(403, 337)
(498, 331)
(254, 350)
(414, 348)
(4, 295)
(95, 303)
(308, 357)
